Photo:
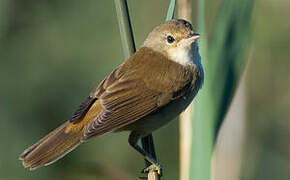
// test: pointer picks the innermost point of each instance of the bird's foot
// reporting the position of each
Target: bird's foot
(153, 167)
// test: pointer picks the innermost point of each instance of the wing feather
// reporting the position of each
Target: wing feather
(123, 107)
(83, 109)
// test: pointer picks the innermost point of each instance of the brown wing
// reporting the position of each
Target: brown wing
(124, 102)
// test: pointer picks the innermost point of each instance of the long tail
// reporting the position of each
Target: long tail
(51, 147)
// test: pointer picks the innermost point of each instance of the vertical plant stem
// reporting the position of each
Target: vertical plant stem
(152, 175)
(170, 11)
(185, 119)
(203, 127)
(126, 30)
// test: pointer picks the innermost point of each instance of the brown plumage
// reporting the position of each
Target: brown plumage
(133, 94)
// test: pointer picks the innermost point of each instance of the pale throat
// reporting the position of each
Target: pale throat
(182, 55)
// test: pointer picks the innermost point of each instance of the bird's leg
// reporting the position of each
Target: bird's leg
(133, 141)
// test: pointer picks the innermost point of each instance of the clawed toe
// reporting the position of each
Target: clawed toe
(153, 167)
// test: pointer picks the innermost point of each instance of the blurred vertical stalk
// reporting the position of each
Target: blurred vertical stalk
(202, 139)
(185, 119)
(223, 62)
(228, 151)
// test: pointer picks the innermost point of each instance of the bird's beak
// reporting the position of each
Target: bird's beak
(194, 36)
(188, 41)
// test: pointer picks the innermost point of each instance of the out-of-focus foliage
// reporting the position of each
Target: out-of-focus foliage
(267, 148)
(224, 56)
(52, 53)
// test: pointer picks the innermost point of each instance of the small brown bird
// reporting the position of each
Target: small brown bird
(144, 93)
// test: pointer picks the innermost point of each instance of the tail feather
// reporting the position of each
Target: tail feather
(51, 147)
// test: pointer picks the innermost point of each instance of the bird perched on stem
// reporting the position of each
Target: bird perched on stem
(144, 93)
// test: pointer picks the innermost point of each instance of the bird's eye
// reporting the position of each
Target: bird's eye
(170, 39)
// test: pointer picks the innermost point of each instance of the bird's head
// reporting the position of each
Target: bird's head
(174, 39)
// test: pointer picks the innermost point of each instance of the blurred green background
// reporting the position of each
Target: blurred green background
(53, 53)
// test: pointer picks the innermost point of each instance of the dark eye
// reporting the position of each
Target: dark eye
(170, 39)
